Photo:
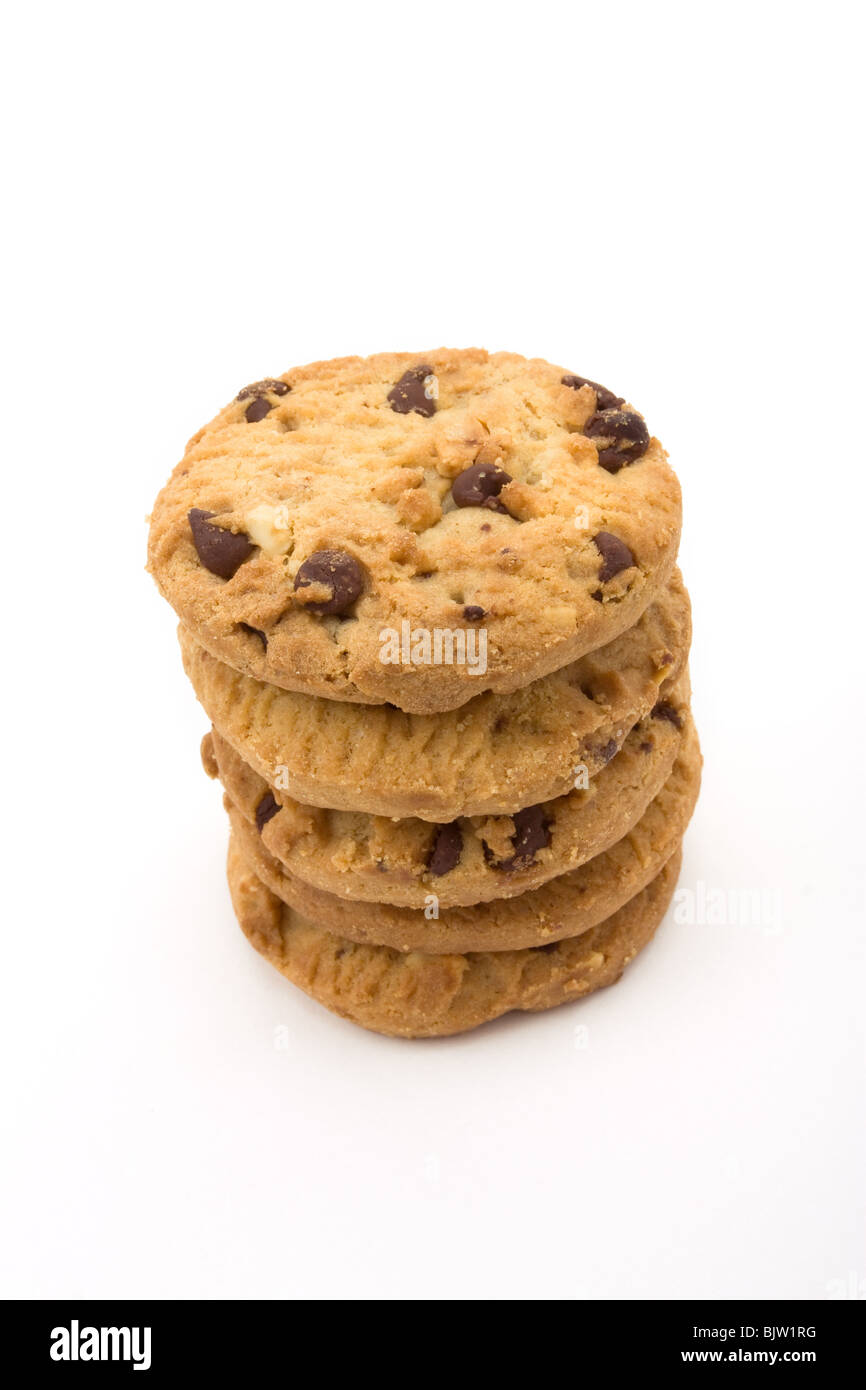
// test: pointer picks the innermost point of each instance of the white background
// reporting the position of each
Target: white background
(663, 197)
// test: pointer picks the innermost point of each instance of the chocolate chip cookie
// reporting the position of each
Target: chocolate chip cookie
(328, 523)
(469, 860)
(493, 756)
(561, 907)
(421, 995)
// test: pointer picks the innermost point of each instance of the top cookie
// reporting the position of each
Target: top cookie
(416, 528)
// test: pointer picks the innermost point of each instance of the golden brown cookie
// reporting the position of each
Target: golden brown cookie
(564, 906)
(491, 757)
(470, 860)
(455, 492)
(424, 996)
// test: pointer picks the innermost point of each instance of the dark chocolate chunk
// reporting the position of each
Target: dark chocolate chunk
(531, 833)
(338, 572)
(606, 399)
(270, 386)
(665, 710)
(480, 486)
(266, 810)
(410, 394)
(255, 632)
(220, 551)
(446, 849)
(628, 435)
(615, 555)
(257, 409)
(473, 612)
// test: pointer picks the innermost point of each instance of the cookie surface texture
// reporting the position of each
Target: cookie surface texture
(328, 523)
(424, 996)
(469, 860)
(564, 906)
(493, 756)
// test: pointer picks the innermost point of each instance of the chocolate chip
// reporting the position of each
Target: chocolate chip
(611, 460)
(266, 810)
(480, 486)
(255, 632)
(472, 612)
(446, 849)
(646, 746)
(410, 392)
(270, 386)
(606, 399)
(258, 409)
(627, 432)
(220, 551)
(664, 710)
(531, 833)
(623, 425)
(615, 555)
(608, 751)
(338, 572)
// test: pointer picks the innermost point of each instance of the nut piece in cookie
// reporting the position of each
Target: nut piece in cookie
(269, 526)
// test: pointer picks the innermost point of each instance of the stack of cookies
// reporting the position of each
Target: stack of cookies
(429, 604)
